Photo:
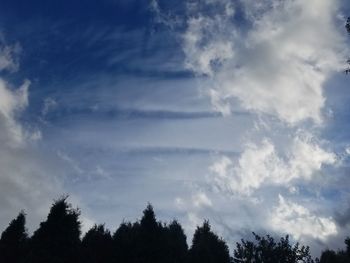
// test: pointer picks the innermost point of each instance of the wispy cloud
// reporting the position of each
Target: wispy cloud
(29, 179)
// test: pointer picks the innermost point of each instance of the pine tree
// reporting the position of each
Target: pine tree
(207, 247)
(58, 238)
(176, 245)
(97, 245)
(125, 243)
(151, 243)
(13, 240)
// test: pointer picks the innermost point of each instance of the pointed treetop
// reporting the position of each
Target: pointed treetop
(149, 218)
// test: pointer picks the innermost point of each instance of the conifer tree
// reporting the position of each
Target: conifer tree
(125, 243)
(151, 243)
(207, 247)
(96, 245)
(341, 256)
(176, 243)
(57, 240)
(13, 240)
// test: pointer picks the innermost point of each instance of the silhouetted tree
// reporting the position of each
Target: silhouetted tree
(13, 240)
(329, 256)
(152, 240)
(149, 241)
(97, 245)
(57, 240)
(267, 250)
(207, 247)
(125, 240)
(341, 256)
(176, 243)
(347, 243)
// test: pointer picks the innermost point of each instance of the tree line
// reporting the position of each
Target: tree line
(58, 240)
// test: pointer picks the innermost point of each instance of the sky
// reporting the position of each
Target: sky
(228, 110)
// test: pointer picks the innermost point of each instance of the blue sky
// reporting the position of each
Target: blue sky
(232, 111)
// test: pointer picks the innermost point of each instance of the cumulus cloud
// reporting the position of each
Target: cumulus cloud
(277, 65)
(297, 220)
(260, 165)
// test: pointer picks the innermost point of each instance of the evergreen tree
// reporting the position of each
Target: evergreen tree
(125, 240)
(57, 240)
(176, 245)
(13, 240)
(96, 246)
(151, 243)
(341, 256)
(329, 256)
(207, 247)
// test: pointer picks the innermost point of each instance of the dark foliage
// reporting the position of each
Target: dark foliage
(267, 250)
(97, 245)
(150, 241)
(13, 240)
(207, 247)
(57, 240)
(341, 256)
(125, 238)
(176, 245)
(151, 238)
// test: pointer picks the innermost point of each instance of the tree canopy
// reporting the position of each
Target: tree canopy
(207, 247)
(267, 250)
(14, 240)
(148, 240)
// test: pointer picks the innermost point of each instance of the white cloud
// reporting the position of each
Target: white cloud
(9, 56)
(204, 50)
(28, 178)
(12, 103)
(278, 65)
(200, 199)
(294, 219)
(260, 165)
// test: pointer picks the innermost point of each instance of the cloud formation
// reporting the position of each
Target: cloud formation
(261, 165)
(26, 179)
(11, 104)
(277, 64)
(9, 55)
(294, 219)
(274, 60)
